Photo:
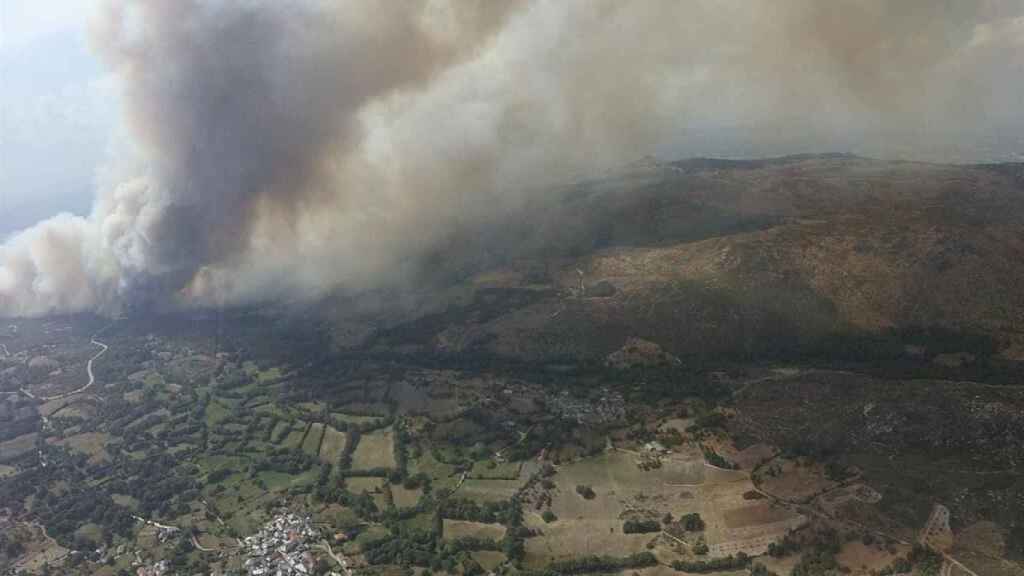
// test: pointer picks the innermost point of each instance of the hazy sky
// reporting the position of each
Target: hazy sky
(57, 110)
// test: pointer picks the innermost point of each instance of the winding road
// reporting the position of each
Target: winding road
(88, 369)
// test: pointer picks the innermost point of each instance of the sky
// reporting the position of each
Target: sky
(58, 110)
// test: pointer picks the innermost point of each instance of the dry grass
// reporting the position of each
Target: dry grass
(93, 444)
(455, 529)
(360, 484)
(489, 490)
(18, 446)
(405, 498)
(622, 490)
(862, 560)
(795, 481)
(375, 450)
(488, 559)
(762, 513)
(984, 537)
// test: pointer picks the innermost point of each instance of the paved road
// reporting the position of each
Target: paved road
(88, 369)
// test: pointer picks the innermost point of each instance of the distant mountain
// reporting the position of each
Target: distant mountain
(735, 259)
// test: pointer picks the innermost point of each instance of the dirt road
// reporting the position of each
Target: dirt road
(805, 509)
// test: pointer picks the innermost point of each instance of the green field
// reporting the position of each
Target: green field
(280, 430)
(311, 445)
(215, 413)
(92, 444)
(355, 418)
(333, 446)
(295, 437)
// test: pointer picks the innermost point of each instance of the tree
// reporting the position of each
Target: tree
(586, 491)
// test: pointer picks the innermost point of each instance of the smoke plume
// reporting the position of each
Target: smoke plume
(291, 148)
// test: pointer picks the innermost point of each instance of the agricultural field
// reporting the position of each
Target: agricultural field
(359, 484)
(456, 470)
(334, 444)
(355, 418)
(17, 447)
(375, 450)
(92, 444)
(405, 498)
(311, 444)
(456, 529)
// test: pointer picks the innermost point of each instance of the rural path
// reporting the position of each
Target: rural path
(341, 560)
(808, 509)
(195, 542)
(953, 561)
(157, 524)
(212, 511)
(88, 369)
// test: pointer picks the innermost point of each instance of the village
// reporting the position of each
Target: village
(283, 547)
(609, 407)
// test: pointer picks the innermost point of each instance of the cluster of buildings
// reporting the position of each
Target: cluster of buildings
(158, 569)
(282, 547)
(609, 407)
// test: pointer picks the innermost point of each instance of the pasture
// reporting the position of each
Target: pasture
(375, 450)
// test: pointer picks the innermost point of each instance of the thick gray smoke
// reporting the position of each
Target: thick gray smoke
(293, 147)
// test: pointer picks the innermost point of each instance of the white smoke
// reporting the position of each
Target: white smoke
(292, 148)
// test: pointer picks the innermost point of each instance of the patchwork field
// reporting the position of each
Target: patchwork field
(794, 480)
(311, 445)
(354, 418)
(296, 435)
(404, 497)
(375, 450)
(93, 444)
(332, 446)
(622, 490)
(359, 484)
(489, 490)
(19, 446)
(280, 431)
(488, 559)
